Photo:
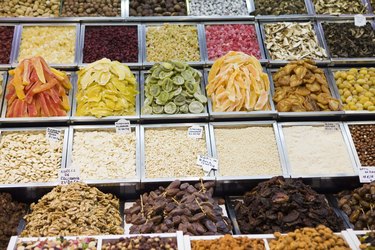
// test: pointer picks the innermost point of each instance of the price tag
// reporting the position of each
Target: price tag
(207, 163)
(69, 175)
(330, 126)
(123, 126)
(359, 20)
(195, 132)
(53, 134)
(366, 174)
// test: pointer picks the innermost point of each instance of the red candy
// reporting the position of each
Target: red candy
(236, 37)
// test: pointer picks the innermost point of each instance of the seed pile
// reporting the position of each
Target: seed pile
(157, 8)
(364, 142)
(84, 8)
(6, 34)
(29, 8)
(218, 8)
(142, 242)
(228, 242)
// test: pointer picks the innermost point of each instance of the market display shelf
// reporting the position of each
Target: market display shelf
(339, 61)
(276, 63)
(263, 60)
(92, 119)
(32, 120)
(132, 65)
(135, 181)
(101, 240)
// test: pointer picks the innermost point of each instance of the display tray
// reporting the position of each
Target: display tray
(200, 34)
(147, 180)
(17, 44)
(342, 60)
(14, 42)
(100, 239)
(44, 120)
(166, 117)
(242, 114)
(323, 176)
(348, 113)
(234, 179)
(87, 119)
(63, 158)
(110, 182)
(188, 17)
(132, 65)
(278, 63)
(334, 115)
(263, 60)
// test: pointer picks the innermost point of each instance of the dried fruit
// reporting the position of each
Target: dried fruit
(182, 207)
(301, 86)
(367, 241)
(142, 242)
(333, 7)
(364, 141)
(6, 34)
(282, 205)
(59, 243)
(106, 88)
(173, 88)
(36, 90)
(228, 242)
(359, 206)
(157, 8)
(274, 7)
(236, 82)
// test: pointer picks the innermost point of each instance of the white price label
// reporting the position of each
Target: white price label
(366, 174)
(330, 126)
(207, 163)
(69, 175)
(123, 126)
(195, 132)
(359, 20)
(53, 134)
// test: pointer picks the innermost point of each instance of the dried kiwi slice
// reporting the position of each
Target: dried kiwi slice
(196, 107)
(180, 66)
(200, 98)
(157, 109)
(163, 97)
(148, 101)
(167, 66)
(178, 80)
(179, 100)
(154, 90)
(147, 110)
(184, 108)
(191, 87)
(177, 91)
(167, 85)
(165, 74)
(170, 108)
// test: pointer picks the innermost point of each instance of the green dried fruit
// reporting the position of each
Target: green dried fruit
(173, 88)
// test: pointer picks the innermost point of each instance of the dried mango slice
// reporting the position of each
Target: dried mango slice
(236, 82)
(106, 88)
(37, 90)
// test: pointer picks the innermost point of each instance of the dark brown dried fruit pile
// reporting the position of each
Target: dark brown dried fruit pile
(157, 8)
(277, 7)
(364, 142)
(359, 205)
(83, 8)
(182, 207)
(141, 243)
(11, 212)
(6, 38)
(283, 205)
(347, 40)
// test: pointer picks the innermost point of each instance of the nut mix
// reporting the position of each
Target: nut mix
(117, 160)
(157, 8)
(94, 8)
(283, 205)
(27, 156)
(171, 153)
(11, 212)
(59, 243)
(228, 242)
(356, 88)
(274, 7)
(141, 242)
(217, 8)
(182, 207)
(106, 88)
(301, 86)
(347, 40)
(220, 39)
(320, 238)
(333, 7)
(6, 34)
(29, 8)
(173, 88)
(36, 90)
(56, 44)
(364, 142)
(236, 82)
(367, 241)
(74, 209)
(172, 42)
(359, 205)
(105, 41)
(293, 41)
